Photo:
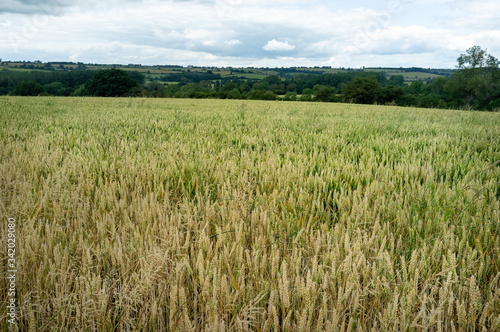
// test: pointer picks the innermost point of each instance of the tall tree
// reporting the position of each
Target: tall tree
(362, 90)
(30, 88)
(324, 93)
(477, 81)
(110, 83)
(475, 57)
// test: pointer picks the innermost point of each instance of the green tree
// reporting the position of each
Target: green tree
(29, 88)
(306, 94)
(362, 90)
(234, 94)
(475, 57)
(390, 94)
(261, 95)
(137, 76)
(244, 87)
(272, 79)
(110, 83)
(436, 86)
(290, 96)
(192, 90)
(396, 80)
(477, 82)
(80, 91)
(416, 87)
(262, 86)
(324, 93)
(57, 89)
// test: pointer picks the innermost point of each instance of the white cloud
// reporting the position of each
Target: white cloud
(210, 57)
(233, 32)
(232, 42)
(274, 45)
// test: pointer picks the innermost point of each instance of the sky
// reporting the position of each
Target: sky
(258, 33)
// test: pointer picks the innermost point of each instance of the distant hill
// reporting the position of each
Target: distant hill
(410, 74)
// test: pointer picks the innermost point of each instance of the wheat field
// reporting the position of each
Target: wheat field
(217, 215)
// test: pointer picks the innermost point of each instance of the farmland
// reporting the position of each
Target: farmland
(153, 73)
(177, 214)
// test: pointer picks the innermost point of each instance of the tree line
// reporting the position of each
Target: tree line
(475, 85)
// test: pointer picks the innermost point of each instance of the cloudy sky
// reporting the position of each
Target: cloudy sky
(261, 33)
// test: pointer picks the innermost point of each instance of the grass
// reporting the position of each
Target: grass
(159, 214)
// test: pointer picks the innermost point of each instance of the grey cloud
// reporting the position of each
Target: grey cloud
(44, 7)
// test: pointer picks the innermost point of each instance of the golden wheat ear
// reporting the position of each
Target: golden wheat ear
(213, 215)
